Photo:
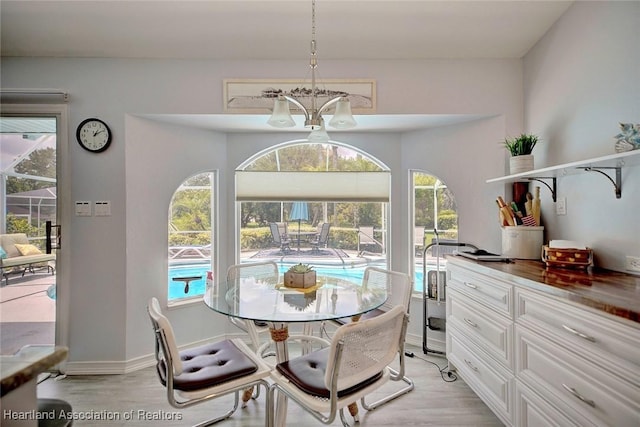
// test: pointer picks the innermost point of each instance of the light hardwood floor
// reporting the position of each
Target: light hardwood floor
(434, 402)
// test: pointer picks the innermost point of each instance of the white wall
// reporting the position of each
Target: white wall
(119, 261)
(580, 81)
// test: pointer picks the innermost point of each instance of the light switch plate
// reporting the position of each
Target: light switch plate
(83, 208)
(103, 208)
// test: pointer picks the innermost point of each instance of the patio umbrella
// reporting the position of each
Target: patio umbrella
(299, 212)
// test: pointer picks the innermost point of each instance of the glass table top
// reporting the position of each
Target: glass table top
(259, 299)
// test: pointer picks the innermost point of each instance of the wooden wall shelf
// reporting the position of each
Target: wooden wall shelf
(598, 164)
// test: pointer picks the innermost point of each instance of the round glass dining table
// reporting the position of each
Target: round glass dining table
(259, 299)
(262, 299)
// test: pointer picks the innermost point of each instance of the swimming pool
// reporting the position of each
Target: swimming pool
(197, 287)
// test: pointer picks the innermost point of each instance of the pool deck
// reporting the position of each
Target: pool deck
(27, 314)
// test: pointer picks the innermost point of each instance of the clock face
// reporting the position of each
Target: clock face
(94, 135)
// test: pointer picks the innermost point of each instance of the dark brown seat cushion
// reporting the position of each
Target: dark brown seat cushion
(307, 373)
(368, 315)
(209, 365)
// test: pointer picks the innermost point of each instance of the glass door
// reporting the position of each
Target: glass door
(29, 199)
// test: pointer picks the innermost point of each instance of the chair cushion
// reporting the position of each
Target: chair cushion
(209, 365)
(8, 242)
(307, 373)
(368, 315)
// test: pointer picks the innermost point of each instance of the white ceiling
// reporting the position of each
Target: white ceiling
(276, 29)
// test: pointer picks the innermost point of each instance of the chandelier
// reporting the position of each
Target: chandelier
(342, 117)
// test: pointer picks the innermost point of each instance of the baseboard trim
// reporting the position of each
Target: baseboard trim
(131, 365)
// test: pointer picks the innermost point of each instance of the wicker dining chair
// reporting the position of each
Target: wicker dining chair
(206, 372)
(355, 364)
(399, 289)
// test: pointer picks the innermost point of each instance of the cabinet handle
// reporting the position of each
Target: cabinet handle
(578, 333)
(471, 365)
(470, 323)
(470, 285)
(577, 395)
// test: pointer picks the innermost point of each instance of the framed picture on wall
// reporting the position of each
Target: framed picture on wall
(256, 96)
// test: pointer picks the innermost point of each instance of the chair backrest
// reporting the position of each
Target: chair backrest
(398, 286)
(367, 347)
(283, 228)
(275, 232)
(365, 235)
(264, 270)
(165, 338)
(324, 233)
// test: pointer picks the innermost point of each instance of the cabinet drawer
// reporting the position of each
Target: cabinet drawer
(493, 383)
(560, 376)
(533, 411)
(613, 345)
(494, 293)
(491, 331)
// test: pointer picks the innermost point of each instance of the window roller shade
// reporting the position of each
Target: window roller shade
(313, 186)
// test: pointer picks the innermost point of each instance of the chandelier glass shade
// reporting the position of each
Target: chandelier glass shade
(342, 117)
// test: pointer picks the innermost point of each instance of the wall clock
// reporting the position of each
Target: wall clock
(93, 135)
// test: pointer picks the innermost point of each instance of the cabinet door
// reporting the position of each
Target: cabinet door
(494, 293)
(597, 337)
(584, 388)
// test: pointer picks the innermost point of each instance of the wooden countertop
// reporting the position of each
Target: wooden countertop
(612, 292)
(30, 361)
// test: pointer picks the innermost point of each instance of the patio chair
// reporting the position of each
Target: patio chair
(279, 239)
(283, 228)
(322, 238)
(355, 364)
(399, 289)
(206, 372)
(365, 238)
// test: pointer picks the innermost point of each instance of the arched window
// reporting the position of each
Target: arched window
(286, 194)
(191, 237)
(435, 217)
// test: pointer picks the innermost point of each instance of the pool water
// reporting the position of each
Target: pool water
(197, 287)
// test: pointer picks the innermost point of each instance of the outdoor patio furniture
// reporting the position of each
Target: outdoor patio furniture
(322, 238)
(366, 239)
(20, 254)
(190, 252)
(279, 239)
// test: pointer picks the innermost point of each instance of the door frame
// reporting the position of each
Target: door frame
(63, 207)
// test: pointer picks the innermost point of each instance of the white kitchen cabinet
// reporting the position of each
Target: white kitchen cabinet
(536, 358)
(480, 336)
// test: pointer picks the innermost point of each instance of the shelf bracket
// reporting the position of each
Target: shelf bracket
(617, 184)
(553, 181)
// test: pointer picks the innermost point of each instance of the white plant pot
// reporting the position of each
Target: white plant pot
(519, 164)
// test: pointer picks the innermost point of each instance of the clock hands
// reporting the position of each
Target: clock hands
(97, 132)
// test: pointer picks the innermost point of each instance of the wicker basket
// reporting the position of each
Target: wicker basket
(567, 257)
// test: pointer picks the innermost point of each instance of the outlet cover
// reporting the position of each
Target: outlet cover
(561, 206)
(633, 264)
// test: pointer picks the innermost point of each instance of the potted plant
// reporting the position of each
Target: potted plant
(300, 276)
(520, 148)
